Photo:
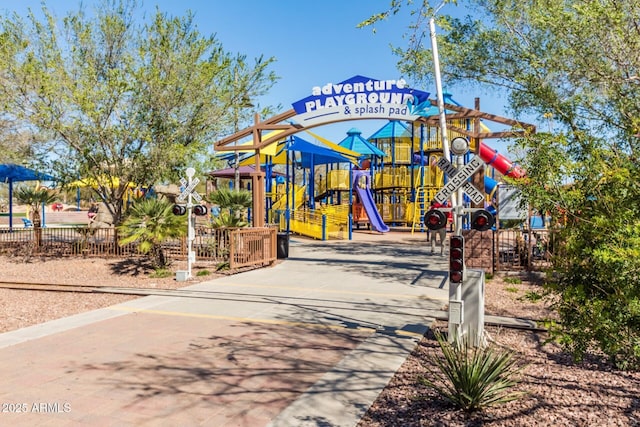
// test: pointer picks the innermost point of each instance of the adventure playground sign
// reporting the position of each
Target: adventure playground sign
(362, 98)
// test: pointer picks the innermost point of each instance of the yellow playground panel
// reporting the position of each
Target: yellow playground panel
(317, 225)
(398, 151)
(297, 197)
(338, 179)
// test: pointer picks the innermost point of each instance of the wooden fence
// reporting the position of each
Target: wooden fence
(240, 247)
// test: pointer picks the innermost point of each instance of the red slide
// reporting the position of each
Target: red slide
(499, 162)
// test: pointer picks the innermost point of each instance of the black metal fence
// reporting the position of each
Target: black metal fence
(517, 249)
(239, 247)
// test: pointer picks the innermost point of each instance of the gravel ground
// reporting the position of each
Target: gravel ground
(25, 308)
(556, 392)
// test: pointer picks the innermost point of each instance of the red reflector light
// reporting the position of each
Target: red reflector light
(457, 242)
(456, 264)
(455, 276)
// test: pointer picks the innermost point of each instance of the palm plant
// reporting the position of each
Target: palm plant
(35, 198)
(150, 222)
(233, 205)
(473, 378)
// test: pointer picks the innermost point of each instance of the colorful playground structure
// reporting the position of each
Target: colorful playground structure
(308, 185)
(325, 190)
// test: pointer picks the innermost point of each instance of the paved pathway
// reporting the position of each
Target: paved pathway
(309, 342)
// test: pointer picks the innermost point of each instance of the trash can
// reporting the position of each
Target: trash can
(283, 245)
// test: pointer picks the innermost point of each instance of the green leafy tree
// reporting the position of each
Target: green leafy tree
(233, 205)
(150, 223)
(14, 143)
(122, 99)
(574, 65)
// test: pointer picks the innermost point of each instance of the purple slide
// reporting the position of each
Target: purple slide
(366, 197)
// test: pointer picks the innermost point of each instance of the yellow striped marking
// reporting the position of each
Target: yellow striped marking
(253, 320)
(330, 291)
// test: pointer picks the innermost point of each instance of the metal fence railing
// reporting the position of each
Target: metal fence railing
(524, 249)
(508, 249)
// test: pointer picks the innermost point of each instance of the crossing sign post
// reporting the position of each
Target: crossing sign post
(459, 302)
(189, 190)
(189, 194)
(458, 178)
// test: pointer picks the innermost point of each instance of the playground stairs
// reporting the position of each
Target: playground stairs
(419, 209)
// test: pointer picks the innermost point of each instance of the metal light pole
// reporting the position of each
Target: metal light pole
(455, 295)
(438, 81)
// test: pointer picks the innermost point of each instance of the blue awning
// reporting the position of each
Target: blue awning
(16, 173)
(312, 154)
(355, 142)
(393, 129)
(10, 173)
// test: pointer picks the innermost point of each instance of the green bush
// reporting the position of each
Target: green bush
(531, 296)
(160, 273)
(473, 378)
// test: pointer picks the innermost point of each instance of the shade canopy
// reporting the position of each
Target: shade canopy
(312, 154)
(16, 173)
(393, 129)
(102, 181)
(355, 142)
(10, 173)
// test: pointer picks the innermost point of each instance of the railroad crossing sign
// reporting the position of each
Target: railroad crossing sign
(458, 179)
(189, 190)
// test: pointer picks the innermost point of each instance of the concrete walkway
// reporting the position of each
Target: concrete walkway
(309, 342)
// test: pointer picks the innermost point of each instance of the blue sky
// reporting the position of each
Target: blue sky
(314, 43)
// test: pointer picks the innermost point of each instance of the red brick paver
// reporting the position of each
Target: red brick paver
(147, 369)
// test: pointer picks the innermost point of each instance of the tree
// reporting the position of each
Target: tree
(150, 223)
(121, 100)
(14, 143)
(576, 63)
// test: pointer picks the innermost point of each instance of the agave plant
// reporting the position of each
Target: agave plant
(473, 378)
(150, 222)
